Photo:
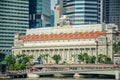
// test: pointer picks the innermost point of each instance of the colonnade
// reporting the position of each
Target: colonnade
(67, 54)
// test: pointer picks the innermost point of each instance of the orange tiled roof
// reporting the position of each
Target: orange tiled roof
(62, 36)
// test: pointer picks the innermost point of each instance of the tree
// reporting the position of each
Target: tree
(85, 57)
(11, 67)
(24, 59)
(103, 59)
(43, 57)
(18, 62)
(56, 58)
(108, 60)
(92, 59)
(10, 60)
(19, 66)
(39, 58)
(116, 47)
(80, 57)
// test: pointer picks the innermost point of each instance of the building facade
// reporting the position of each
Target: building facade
(14, 18)
(39, 11)
(111, 12)
(81, 12)
(67, 41)
(56, 14)
(52, 18)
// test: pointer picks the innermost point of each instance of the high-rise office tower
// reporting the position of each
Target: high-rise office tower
(39, 11)
(14, 18)
(111, 12)
(81, 12)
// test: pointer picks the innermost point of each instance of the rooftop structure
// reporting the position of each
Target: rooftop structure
(66, 29)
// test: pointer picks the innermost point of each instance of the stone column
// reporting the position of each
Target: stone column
(67, 55)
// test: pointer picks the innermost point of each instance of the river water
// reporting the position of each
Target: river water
(61, 79)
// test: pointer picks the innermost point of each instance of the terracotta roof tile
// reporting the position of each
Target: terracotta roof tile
(62, 36)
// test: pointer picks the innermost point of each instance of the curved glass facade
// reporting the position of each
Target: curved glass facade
(81, 12)
(14, 18)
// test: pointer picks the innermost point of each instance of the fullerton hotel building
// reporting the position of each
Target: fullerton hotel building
(67, 41)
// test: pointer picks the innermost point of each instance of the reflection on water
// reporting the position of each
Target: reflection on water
(61, 79)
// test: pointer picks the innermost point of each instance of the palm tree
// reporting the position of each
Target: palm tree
(92, 59)
(23, 60)
(43, 57)
(56, 58)
(85, 57)
(80, 58)
(39, 59)
(103, 59)
(10, 60)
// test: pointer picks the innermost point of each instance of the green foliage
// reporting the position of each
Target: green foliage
(19, 66)
(39, 58)
(11, 67)
(80, 58)
(116, 48)
(23, 58)
(92, 59)
(43, 57)
(103, 59)
(84, 57)
(56, 58)
(10, 59)
(18, 62)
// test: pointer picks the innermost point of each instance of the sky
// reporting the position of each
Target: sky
(53, 2)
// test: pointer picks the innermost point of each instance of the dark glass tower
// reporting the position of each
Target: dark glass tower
(14, 18)
(111, 11)
(39, 11)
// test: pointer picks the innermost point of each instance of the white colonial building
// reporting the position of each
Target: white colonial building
(67, 41)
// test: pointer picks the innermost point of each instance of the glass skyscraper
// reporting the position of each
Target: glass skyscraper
(111, 11)
(40, 12)
(81, 12)
(14, 18)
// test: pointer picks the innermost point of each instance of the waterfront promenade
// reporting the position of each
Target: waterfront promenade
(77, 70)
